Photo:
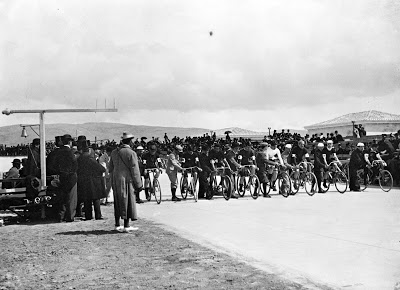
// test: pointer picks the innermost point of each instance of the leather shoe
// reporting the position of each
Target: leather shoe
(139, 201)
(174, 198)
(267, 195)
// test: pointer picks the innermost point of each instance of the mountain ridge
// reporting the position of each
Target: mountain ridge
(11, 135)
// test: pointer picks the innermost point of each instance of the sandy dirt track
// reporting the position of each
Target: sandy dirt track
(90, 255)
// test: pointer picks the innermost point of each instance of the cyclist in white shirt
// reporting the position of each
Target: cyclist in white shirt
(274, 158)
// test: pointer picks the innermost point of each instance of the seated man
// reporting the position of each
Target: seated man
(12, 173)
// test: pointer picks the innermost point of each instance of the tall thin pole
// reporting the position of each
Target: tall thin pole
(42, 151)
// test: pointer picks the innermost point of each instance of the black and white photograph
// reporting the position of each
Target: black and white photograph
(225, 144)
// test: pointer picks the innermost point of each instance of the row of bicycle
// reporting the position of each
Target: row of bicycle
(225, 182)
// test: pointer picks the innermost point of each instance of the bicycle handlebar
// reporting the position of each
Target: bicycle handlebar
(334, 163)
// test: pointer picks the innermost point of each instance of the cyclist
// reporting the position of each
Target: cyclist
(246, 156)
(319, 166)
(274, 158)
(216, 159)
(300, 152)
(139, 152)
(329, 155)
(204, 174)
(173, 165)
(370, 156)
(189, 159)
(230, 157)
(261, 161)
(150, 160)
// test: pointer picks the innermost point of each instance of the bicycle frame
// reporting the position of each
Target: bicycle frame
(190, 180)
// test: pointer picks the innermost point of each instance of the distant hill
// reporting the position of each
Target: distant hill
(11, 135)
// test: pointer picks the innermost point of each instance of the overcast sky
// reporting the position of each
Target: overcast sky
(279, 64)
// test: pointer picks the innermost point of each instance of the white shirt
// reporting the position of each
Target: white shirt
(274, 155)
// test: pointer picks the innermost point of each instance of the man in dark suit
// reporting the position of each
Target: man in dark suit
(33, 163)
(66, 167)
(356, 162)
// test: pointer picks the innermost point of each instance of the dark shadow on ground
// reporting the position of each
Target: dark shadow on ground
(88, 233)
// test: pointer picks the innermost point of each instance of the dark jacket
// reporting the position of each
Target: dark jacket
(66, 166)
(357, 159)
(318, 159)
(90, 178)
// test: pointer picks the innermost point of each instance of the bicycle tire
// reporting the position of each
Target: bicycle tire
(385, 180)
(195, 186)
(157, 190)
(181, 186)
(295, 183)
(244, 186)
(254, 186)
(226, 187)
(310, 183)
(341, 182)
(284, 190)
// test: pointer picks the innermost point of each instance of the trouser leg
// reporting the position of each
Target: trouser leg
(88, 209)
(97, 209)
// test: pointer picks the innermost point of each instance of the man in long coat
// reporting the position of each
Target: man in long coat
(124, 169)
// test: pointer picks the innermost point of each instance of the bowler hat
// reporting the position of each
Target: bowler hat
(16, 161)
(81, 137)
(67, 137)
(36, 141)
(127, 136)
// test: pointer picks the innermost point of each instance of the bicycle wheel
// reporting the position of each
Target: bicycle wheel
(360, 178)
(226, 187)
(310, 183)
(242, 189)
(284, 184)
(183, 186)
(295, 183)
(157, 190)
(254, 186)
(195, 186)
(341, 183)
(385, 180)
